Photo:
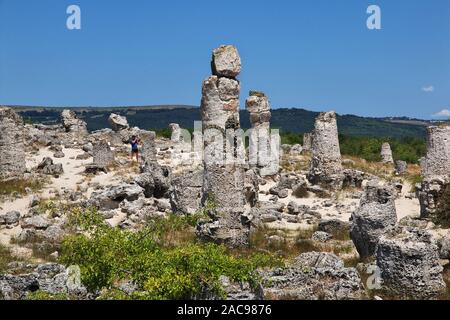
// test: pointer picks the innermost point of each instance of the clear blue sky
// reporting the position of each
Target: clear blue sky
(316, 54)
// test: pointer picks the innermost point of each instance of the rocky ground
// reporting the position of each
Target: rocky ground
(290, 214)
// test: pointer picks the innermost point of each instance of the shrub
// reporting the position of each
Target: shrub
(161, 269)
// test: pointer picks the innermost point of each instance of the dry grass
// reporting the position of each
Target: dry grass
(380, 169)
(18, 187)
(5, 258)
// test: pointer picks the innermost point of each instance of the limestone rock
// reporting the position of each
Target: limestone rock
(12, 150)
(102, 154)
(226, 62)
(72, 124)
(386, 153)
(326, 166)
(186, 192)
(409, 265)
(313, 276)
(118, 122)
(48, 167)
(375, 216)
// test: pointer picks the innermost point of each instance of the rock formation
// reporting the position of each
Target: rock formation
(72, 124)
(12, 150)
(313, 276)
(176, 132)
(118, 122)
(401, 167)
(223, 172)
(48, 167)
(262, 154)
(148, 152)
(102, 154)
(375, 216)
(386, 153)
(435, 169)
(307, 141)
(326, 166)
(186, 192)
(409, 265)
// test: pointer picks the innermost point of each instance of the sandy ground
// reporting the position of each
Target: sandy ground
(70, 180)
(405, 207)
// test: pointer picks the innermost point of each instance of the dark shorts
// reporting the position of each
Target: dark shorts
(135, 151)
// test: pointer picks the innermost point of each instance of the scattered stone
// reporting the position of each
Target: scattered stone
(10, 219)
(59, 154)
(35, 222)
(321, 236)
(49, 168)
(313, 276)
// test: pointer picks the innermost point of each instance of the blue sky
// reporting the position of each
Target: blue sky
(316, 54)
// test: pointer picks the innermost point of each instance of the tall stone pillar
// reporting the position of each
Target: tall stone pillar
(307, 141)
(262, 154)
(224, 174)
(435, 169)
(326, 163)
(386, 153)
(12, 150)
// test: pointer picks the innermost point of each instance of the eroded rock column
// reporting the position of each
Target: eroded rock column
(102, 154)
(386, 153)
(326, 166)
(307, 141)
(12, 150)
(435, 169)
(262, 154)
(223, 179)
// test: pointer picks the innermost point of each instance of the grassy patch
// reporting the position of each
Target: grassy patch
(5, 258)
(19, 187)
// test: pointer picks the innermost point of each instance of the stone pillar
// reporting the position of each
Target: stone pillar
(148, 149)
(435, 169)
(386, 153)
(72, 124)
(326, 167)
(261, 153)
(375, 216)
(223, 171)
(176, 132)
(12, 150)
(437, 160)
(102, 154)
(307, 141)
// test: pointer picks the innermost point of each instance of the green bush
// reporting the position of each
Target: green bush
(161, 269)
(40, 295)
(406, 149)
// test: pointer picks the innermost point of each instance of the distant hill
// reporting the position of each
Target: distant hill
(287, 120)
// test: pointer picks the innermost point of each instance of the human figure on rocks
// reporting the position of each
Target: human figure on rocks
(135, 147)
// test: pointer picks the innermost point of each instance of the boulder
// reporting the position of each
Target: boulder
(313, 276)
(409, 265)
(375, 216)
(226, 62)
(118, 122)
